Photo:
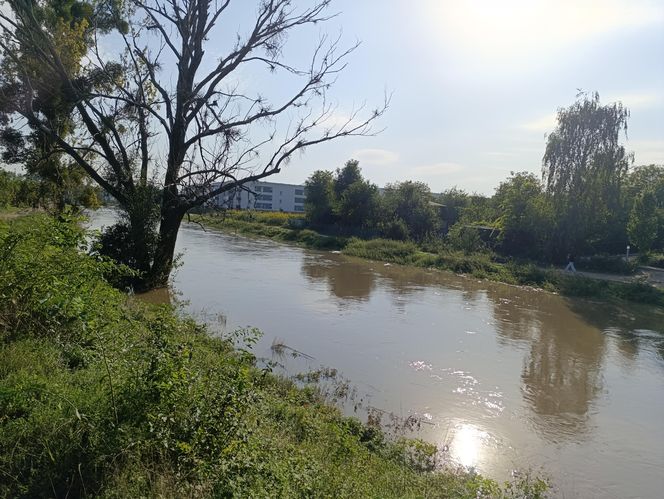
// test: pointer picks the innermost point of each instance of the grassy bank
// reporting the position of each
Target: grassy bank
(103, 396)
(279, 226)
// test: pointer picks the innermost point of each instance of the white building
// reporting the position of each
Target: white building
(264, 196)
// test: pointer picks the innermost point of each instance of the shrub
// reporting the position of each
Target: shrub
(607, 263)
(382, 249)
(466, 239)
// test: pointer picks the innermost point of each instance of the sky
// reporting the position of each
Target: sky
(475, 84)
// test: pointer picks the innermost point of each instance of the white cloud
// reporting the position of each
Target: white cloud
(636, 100)
(436, 169)
(338, 119)
(379, 157)
(542, 124)
(647, 151)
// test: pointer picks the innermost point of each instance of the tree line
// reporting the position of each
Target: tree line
(588, 200)
(403, 211)
(33, 191)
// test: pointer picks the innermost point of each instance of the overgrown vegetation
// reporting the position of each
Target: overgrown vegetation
(479, 262)
(21, 191)
(101, 395)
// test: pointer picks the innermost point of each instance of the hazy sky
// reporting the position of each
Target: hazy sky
(476, 84)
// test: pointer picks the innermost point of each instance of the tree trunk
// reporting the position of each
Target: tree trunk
(171, 218)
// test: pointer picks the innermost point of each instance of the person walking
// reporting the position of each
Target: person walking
(570, 263)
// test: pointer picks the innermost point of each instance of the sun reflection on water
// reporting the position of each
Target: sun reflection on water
(467, 444)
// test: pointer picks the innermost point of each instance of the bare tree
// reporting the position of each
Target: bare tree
(163, 94)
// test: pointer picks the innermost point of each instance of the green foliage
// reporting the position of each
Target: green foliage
(410, 202)
(68, 26)
(132, 241)
(101, 395)
(264, 225)
(615, 264)
(526, 216)
(358, 205)
(644, 221)
(345, 177)
(274, 218)
(319, 204)
(395, 228)
(455, 200)
(465, 238)
(32, 192)
(652, 259)
(382, 249)
(345, 198)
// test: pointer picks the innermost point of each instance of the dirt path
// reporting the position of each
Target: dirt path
(648, 275)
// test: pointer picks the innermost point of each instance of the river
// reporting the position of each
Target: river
(503, 377)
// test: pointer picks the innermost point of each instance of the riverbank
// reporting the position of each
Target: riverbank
(102, 395)
(278, 226)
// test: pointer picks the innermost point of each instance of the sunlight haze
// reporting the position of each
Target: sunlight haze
(476, 84)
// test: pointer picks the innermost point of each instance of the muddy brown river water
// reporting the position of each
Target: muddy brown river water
(505, 377)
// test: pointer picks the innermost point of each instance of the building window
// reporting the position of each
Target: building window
(264, 197)
(266, 188)
(299, 192)
(299, 200)
(299, 208)
(263, 206)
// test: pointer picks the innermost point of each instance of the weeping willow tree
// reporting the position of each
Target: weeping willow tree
(584, 165)
(162, 115)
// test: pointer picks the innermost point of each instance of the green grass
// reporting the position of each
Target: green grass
(103, 396)
(275, 226)
(483, 265)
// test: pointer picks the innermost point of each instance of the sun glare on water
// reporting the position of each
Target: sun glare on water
(467, 445)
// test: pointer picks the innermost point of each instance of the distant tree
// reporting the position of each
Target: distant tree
(644, 179)
(347, 176)
(320, 201)
(525, 216)
(356, 199)
(479, 209)
(21, 190)
(410, 202)
(644, 221)
(455, 200)
(358, 205)
(583, 167)
(465, 238)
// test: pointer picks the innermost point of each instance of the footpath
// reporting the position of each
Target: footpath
(646, 275)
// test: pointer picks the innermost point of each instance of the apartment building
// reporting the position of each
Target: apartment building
(264, 196)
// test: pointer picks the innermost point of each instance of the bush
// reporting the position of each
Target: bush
(395, 229)
(382, 249)
(606, 263)
(652, 259)
(465, 238)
